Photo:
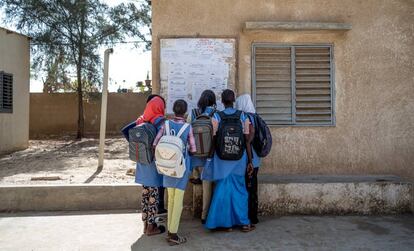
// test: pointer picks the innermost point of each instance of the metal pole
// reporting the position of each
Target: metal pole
(104, 104)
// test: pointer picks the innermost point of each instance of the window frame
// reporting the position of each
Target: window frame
(2, 109)
(293, 79)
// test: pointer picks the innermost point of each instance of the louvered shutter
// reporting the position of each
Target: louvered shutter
(6, 92)
(313, 85)
(292, 85)
(273, 84)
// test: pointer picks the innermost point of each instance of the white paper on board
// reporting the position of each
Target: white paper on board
(188, 66)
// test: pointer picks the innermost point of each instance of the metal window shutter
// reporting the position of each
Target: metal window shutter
(313, 83)
(272, 80)
(6, 92)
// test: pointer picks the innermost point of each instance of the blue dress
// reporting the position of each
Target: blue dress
(229, 205)
(197, 161)
(180, 183)
(147, 175)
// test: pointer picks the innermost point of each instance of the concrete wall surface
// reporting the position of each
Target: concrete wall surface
(15, 59)
(69, 197)
(277, 196)
(374, 77)
(57, 113)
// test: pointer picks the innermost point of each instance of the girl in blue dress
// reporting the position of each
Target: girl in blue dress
(147, 175)
(229, 205)
(206, 106)
(176, 186)
(244, 103)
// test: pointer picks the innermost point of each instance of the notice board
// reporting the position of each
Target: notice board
(188, 66)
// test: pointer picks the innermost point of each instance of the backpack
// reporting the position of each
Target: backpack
(230, 141)
(141, 138)
(262, 142)
(169, 153)
(203, 133)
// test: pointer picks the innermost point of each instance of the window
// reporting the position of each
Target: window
(293, 84)
(6, 92)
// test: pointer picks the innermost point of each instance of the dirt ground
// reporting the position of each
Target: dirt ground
(74, 162)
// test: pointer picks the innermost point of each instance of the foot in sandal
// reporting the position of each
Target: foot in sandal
(248, 228)
(153, 229)
(175, 239)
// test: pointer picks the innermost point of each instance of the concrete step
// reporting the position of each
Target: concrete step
(335, 195)
(69, 197)
(278, 195)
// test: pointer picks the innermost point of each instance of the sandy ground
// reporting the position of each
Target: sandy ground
(74, 162)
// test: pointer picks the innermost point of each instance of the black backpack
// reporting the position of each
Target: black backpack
(230, 143)
(262, 142)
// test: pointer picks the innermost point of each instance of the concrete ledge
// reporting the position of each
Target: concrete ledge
(278, 195)
(296, 26)
(69, 197)
(338, 195)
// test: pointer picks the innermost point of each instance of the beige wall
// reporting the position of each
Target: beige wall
(57, 114)
(15, 59)
(374, 78)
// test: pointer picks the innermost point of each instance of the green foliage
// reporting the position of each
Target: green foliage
(67, 36)
(69, 33)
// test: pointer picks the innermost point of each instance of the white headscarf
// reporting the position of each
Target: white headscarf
(244, 103)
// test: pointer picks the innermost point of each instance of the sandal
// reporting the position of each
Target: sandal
(153, 229)
(176, 240)
(159, 219)
(247, 228)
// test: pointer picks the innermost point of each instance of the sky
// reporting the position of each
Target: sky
(127, 65)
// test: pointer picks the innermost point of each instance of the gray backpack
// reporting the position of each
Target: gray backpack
(203, 133)
(141, 139)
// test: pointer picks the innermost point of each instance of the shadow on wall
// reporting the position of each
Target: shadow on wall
(56, 114)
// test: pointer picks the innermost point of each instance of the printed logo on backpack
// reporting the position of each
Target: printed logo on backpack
(230, 142)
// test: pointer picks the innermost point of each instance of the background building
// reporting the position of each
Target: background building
(14, 90)
(334, 78)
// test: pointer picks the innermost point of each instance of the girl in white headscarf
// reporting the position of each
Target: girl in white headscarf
(244, 103)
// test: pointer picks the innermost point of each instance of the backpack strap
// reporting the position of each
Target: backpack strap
(183, 128)
(196, 113)
(212, 113)
(167, 128)
(159, 122)
(236, 115)
(221, 115)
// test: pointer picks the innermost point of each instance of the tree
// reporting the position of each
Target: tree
(75, 30)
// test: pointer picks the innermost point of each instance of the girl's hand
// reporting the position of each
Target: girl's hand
(250, 169)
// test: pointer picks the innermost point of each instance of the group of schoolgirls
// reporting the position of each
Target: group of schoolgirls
(218, 145)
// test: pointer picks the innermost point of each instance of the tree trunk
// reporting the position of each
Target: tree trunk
(80, 133)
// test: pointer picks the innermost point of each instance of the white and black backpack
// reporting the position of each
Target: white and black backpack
(230, 142)
(170, 153)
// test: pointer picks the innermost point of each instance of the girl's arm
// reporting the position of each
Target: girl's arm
(249, 138)
(191, 141)
(215, 123)
(159, 135)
